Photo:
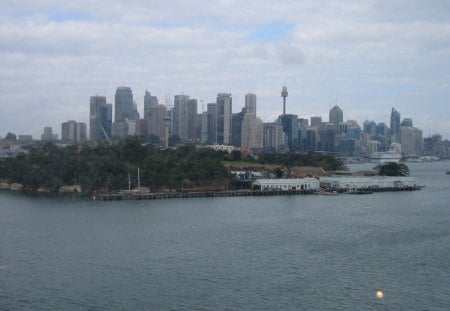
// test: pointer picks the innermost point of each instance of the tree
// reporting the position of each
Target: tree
(393, 169)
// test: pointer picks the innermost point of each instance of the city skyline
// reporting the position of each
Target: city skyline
(366, 57)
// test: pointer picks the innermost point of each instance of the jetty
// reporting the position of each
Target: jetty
(199, 194)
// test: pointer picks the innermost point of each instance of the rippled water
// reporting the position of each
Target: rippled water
(252, 253)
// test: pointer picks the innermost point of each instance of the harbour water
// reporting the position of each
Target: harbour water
(244, 253)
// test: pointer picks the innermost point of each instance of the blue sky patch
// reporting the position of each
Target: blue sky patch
(64, 16)
(273, 31)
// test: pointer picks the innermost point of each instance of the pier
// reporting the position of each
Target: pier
(200, 194)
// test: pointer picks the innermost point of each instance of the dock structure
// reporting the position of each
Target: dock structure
(199, 194)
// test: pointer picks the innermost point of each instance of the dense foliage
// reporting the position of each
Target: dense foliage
(327, 162)
(107, 167)
(393, 169)
(104, 166)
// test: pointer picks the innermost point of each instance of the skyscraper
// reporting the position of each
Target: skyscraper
(184, 117)
(395, 126)
(124, 105)
(250, 103)
(290, 129)
(252, 132)
(224, 108)
(336, 116)
(211, 113)
(149, 101)
(100, 120)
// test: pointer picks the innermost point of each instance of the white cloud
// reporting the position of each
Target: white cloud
(372, 54)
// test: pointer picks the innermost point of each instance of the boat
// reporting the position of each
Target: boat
(385, 157)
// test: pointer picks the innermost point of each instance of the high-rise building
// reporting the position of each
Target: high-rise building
(149, 101)
(157, 119)
(411, 141)
(370, 128)
(124, 105)
(223, 119)
(100, 118)
(212, 122)
(316, 121)
(395, 126)
(184, 117)
(73, 132)
(407, 122)
(252, 132)
(290, 129)
(237, 128)
(250, 104)
(336, 116)
(273, 137)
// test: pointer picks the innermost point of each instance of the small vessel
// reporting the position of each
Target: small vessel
(385, 157)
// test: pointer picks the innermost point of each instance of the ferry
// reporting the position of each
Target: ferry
(385, 157)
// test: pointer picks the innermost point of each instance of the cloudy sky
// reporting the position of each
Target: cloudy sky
(366, 56)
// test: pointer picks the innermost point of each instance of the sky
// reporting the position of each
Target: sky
(365, 56)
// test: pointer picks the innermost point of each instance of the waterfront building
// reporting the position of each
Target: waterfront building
(395, 126)
(372, 147)
(336, 116)
(290, 184)
(223, 118)
(411, 141)
(100, 118)
(73, 132)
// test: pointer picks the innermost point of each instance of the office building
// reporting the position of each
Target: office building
(73, 132)
(252, 132)
(223, 118)
(395, 126)
(100, 118)
(149, 101)
(336, 116)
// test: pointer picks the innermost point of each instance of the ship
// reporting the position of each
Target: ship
(385, 157)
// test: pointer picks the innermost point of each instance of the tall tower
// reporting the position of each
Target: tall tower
(284, 94)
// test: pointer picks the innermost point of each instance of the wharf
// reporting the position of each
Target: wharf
(201, 194)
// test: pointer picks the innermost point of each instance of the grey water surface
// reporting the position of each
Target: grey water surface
(254, 253)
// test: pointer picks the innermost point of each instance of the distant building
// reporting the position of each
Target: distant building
(100, 118)
(149, 101)
(223, 118)
(250, 104)
(407, 122)
(25, 138)
(252, 132)
(289, 122)
(395, 126)
(73, 132)
(47, 135)
(157, 118)
(237, 119)
(336, 116)
(411, 141)
(316, 121)
(273, 137)
(212, 122)
(124, 105)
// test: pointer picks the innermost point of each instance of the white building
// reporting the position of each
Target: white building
(287, 184)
